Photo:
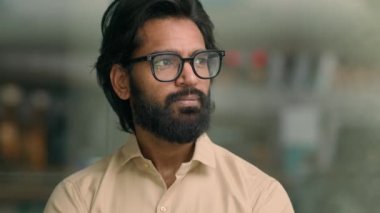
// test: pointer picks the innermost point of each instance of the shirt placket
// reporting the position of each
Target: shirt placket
(165, 204)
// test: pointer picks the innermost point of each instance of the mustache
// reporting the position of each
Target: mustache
(171, 98)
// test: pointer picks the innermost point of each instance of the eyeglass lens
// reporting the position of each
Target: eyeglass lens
(168, 66)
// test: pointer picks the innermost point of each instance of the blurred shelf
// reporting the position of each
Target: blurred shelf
(18, 187)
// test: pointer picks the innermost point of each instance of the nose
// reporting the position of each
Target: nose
(187, 77)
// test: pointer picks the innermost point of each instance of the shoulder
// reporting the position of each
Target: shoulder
(226, 163)
(89, 177)
(261, 190)
(75, 192)
(228, 160)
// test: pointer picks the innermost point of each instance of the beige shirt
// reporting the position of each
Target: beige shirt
(214, 181)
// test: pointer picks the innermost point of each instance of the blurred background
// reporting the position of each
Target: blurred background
(298, 97)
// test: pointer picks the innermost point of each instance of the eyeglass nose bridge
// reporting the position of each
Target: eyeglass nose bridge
(190, 60)
(182, 62)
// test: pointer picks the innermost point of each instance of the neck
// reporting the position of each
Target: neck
(166, 156)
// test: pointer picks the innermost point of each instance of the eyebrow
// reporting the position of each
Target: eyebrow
(176, 52)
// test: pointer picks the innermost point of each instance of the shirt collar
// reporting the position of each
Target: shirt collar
(203, 152)
(131, 150)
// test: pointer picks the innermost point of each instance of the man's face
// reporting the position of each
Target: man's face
(177, 111)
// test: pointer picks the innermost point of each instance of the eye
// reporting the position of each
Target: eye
(200, 61)
(163, 62)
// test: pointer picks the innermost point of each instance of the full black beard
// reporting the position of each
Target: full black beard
(183, 127)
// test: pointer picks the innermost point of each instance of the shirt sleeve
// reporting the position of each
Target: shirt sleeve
(65, 198)
(273, 199)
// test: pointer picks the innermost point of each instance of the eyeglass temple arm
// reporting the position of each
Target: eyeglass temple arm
(135, 60)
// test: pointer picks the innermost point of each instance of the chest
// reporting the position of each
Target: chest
(191, 193)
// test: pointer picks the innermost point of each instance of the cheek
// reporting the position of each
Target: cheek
(143, 79)
(141, 72)
(151, 88)
(205, 86)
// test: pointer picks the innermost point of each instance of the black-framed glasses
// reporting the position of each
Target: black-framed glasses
(168, 66)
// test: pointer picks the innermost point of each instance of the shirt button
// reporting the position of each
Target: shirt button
(146, 165)
(163, 209)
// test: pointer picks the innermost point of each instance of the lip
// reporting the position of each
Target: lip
(188, 100)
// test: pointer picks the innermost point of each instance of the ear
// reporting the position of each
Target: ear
(120, 81)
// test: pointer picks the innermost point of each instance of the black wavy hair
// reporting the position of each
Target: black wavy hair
(120, 24)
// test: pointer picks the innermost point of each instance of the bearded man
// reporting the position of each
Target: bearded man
(156, 64)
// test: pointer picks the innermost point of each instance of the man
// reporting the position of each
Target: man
(156, 64)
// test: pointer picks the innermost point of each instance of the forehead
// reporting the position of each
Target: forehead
(181, 35)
